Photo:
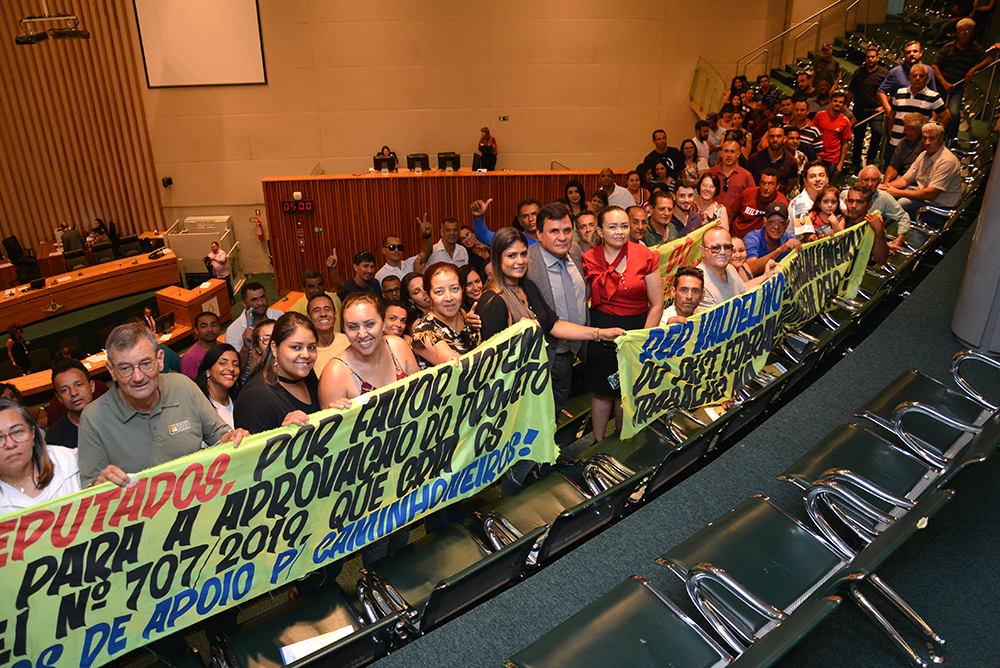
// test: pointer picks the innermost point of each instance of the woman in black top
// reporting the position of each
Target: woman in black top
(516, 298)
(286, 390)
(17, 348)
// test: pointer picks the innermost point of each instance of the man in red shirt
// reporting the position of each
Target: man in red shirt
(734, 179)
(836, 131)
(749, 213)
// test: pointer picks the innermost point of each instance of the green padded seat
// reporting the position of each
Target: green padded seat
(537, 505)
(645, 449)
(764, 549)
(855, 448)
(415, 570)
(257, 642)
(930, 433)
(558, 507)
(441, 575)
(632, 625)
(635, 625)
(756, 564)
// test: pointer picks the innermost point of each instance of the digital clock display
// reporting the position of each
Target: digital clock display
(297, 206)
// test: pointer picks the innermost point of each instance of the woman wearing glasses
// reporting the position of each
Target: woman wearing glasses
(711, 211)
(31, 472)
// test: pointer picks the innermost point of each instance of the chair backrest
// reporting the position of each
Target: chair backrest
(103, 334)
(454, 595)
(40, 359)
(130, 245)
(257, 642)
(8, 370)
(370, 643)
(576, 524)
(12, 247)
(72, 342)
(75, 259)
(103, 252)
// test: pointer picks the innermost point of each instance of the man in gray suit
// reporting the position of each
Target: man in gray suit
(556, 267)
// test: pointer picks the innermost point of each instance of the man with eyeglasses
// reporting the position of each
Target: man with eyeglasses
(772, 242)
(722, 282)
(734, 179)
(392, 251)
(147, 419)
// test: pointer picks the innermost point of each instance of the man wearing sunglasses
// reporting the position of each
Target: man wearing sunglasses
(146, 419)
(392, 251)
(721, 280)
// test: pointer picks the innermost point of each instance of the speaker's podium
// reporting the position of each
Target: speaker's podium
(187, 304)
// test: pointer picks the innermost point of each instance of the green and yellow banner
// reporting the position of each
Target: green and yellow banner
(683, 252)
(706, 359)
(90, 576)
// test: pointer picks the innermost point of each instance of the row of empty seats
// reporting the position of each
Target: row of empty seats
(760, 579)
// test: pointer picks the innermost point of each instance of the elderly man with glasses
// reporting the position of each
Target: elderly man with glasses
(147, 419)
(722, 282)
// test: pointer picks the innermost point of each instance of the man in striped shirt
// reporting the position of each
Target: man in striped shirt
(917, 97)
(809, 134)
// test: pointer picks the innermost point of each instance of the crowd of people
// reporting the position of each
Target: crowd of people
(585, 268)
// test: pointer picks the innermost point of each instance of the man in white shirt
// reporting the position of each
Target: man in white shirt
(700, 139)
(934, 177)
(220, 268)
(617, 195)
(255, 309)
(689, 287)
(392, 251)
(447, 249)
(799, 222)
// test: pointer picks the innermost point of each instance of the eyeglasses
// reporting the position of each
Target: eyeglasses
(127, 370)
(266, 338)
(395, 247)
(725, 185)
(17, 434)
(719, 248)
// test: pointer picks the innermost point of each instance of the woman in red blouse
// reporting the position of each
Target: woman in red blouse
(625, 291)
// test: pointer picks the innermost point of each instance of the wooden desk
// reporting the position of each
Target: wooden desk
(8, 274)
(187, 304)
(97, 364)
(51, 261)
(353, 212)
(89, 286)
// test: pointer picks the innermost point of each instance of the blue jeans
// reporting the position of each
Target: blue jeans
(954, 102)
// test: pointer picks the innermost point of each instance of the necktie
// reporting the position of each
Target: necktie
(569, 293)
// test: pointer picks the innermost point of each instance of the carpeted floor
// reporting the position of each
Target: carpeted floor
(948, 572)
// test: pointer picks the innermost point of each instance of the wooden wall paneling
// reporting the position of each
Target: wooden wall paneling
(74, 140)
(356, 212)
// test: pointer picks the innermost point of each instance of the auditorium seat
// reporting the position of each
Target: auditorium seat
(75, 260)
(73, 343)
(40, 359)
(8, 370)
(23, 260)
(927, 416)
(103, 252)
(751, 568)
(557, 504)
(439, 576)
(257, 642)
(102, 335)
(130, 245)
(636, 625)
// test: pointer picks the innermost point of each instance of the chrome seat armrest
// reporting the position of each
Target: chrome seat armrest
(936, 461)
(956, 363)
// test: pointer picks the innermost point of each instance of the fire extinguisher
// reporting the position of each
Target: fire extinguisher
(260, 228)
